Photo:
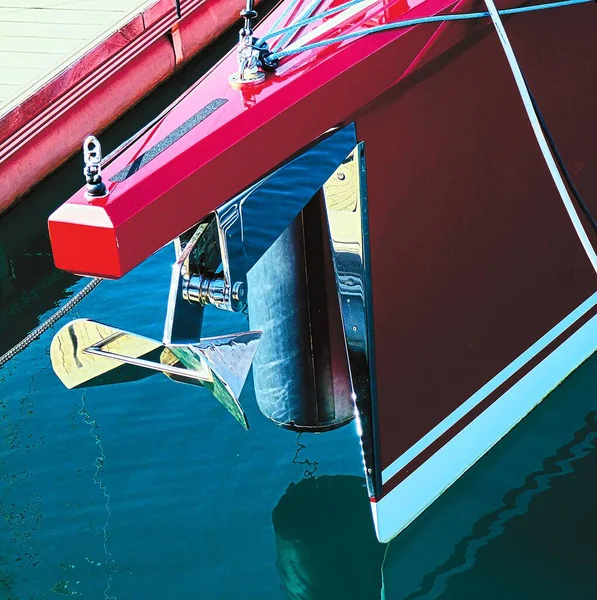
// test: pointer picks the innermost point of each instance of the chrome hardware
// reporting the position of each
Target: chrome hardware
(248, 56)
(98, 350)
(249, 72)
(88, 353)
(345, 199)
(92, 157)
(195, 283)
(213, 290)
(196, 250)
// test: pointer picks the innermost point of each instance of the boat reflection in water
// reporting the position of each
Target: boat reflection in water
(30, 285)
(325, 540)
(6, 275)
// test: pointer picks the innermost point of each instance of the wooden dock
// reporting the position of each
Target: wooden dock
(71, 67)
(39, 38)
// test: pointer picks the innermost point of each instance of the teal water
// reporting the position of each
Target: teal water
(150, 490)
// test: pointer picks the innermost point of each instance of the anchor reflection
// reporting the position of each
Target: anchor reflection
(325, 540)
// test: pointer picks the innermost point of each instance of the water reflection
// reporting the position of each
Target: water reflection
(519, 524)
(325, 541)
(497, 533)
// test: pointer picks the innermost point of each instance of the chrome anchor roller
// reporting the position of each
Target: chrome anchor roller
(92, 157)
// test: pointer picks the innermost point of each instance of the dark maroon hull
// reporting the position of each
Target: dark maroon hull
(473, 257)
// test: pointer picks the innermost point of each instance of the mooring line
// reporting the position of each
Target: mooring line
(39, 331)
(529, 107)
(396, 24)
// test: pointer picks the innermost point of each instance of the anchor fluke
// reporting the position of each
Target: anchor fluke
(76, 367)
(229, 358)
(86, 353)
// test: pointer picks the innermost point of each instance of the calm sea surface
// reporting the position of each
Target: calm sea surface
(151, 490)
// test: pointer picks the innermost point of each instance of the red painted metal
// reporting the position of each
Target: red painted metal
(49, 126)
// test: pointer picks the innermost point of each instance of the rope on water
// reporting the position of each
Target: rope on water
(399, 24)
(38, 331)
(311, 466)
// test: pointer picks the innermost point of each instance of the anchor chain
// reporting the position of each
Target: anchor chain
(38, 331)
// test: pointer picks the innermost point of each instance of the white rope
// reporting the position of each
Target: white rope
(532, 115)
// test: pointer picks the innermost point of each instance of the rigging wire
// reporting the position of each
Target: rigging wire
(398, 24)
(304, 15)
(283, 15)
(560, 161)
(295, 26)
(539, 133)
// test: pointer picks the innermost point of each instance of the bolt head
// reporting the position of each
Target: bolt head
(239, 291)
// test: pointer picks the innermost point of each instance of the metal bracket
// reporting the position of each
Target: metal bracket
(249, 72)
(195, 283)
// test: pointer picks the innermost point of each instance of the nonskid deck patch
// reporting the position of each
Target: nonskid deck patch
(170, 139)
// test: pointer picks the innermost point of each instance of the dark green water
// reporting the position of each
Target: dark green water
(150, 490)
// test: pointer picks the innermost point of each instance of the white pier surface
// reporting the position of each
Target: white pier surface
(39, 38)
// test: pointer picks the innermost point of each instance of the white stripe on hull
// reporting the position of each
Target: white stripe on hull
(404, 503)
(487, 389)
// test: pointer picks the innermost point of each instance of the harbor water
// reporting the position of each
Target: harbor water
(150, 490)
